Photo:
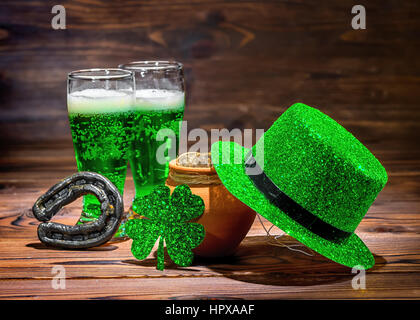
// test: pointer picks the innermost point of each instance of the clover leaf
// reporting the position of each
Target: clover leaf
(166, 217)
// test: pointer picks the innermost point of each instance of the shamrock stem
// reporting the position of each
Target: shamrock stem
(160, 255)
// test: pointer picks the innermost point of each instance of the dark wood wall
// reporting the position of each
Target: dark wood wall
(246, 61)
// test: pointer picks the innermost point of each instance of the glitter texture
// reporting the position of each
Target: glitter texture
(322, 167)
(166, 218)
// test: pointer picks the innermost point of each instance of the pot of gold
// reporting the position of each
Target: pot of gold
(225, 219)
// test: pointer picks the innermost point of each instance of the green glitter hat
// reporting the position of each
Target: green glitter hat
(311, 178)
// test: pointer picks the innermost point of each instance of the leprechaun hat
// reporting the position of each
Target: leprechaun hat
(311, 178)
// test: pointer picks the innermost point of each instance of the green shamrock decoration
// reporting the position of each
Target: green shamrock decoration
(166, 218)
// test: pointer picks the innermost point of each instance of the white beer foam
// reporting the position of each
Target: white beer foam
(90, 101)
(159, 99)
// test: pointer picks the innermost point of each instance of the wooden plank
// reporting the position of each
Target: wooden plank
(258, 269)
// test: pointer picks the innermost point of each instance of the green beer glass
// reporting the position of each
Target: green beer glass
(159, 109)
(100, 105)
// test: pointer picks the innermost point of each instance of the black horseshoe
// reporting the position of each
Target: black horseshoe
(85, 235)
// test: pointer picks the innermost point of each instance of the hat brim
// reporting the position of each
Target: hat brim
(352, 252)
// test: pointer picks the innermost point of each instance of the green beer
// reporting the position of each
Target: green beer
(155, 109)
(101, 126)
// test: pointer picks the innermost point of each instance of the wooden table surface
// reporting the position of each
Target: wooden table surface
(258, 270)
(245, 62)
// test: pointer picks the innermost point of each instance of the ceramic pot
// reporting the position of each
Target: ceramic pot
(226, 219)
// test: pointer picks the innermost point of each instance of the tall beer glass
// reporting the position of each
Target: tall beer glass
(100, 103)
(160, 103)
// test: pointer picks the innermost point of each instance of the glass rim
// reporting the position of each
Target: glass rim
(152, 65)
(101, 74)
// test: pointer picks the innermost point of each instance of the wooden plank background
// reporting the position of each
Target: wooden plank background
(245, 63)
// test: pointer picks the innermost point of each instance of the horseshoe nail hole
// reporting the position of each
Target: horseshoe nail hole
(78, 238)
(94, 235)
